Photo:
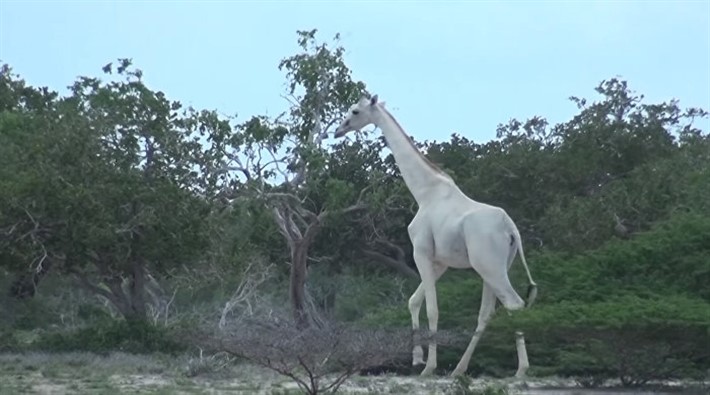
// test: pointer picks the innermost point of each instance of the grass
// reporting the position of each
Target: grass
(88, 373)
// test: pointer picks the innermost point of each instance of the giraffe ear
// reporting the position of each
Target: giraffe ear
(382, 103)
(373, 100)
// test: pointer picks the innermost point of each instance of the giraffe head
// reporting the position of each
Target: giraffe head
(360, 115)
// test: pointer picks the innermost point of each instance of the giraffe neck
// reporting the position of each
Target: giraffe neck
(422, 177)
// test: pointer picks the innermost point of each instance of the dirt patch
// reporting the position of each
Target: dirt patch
(137, 381)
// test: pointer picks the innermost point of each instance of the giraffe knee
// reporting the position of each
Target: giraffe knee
(433, 315)
(415, 303)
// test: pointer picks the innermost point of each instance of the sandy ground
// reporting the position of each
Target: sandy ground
(84, 373)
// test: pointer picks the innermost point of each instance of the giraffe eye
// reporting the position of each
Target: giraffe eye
(355, 112)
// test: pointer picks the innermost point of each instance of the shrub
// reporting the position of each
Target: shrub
(139, 337)
(318, 358)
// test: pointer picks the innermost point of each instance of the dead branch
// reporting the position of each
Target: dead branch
(317, 358)
(399, 264)
(245, 291)
(159, 305)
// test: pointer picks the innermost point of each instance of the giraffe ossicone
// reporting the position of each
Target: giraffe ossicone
(449, 230)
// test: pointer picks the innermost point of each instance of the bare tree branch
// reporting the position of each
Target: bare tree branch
(317, 358)
(245, 291)
(115, 299)
(399, 264)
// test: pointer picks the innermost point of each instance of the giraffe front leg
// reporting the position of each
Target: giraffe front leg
(415, 304)
(428, 274)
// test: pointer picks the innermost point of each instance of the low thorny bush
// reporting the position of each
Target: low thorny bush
(319, 358)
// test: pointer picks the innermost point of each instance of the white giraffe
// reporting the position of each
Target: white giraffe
(450, 230)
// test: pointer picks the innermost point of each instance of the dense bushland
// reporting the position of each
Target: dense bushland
(128, 222)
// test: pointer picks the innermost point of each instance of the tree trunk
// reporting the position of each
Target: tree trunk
(299, 261)
(129, 306)
(329, 301)
(137, 302)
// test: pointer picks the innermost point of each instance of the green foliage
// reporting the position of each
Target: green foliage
(646, 194)
(635, 354)
(104, 181)
(613, 312)
(356, 290)
(137, 337)
(669, 260)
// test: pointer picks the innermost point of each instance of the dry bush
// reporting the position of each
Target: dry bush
(319, 358)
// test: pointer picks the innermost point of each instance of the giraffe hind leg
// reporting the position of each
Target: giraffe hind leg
(488, 304)
(489, 255)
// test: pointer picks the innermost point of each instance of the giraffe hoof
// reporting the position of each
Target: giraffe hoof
(428, 371)
(457, 372)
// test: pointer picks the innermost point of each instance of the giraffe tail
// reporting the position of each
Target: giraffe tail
(532, 286)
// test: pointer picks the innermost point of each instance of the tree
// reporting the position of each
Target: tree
(378, 234)
(279, 161)
(106, 184)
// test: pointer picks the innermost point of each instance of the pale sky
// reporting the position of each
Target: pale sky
(442, 67)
